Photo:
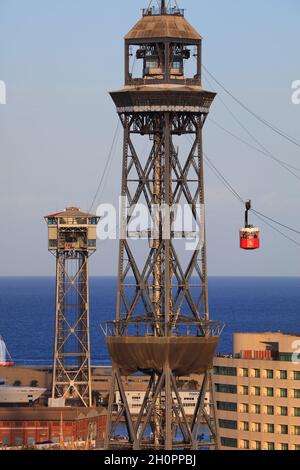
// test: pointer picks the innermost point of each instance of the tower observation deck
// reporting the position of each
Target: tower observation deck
(162, 326)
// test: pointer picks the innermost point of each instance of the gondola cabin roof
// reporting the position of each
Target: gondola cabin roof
(250, 229)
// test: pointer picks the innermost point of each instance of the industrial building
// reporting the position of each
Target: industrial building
(257, 393)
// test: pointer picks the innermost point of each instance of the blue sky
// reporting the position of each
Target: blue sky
(59, 59)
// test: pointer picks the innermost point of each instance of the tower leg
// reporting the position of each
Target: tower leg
(118, 413)
(169, 409)
(176, 430)
(72, 367)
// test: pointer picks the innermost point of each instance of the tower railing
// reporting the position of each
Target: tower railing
(147, 328)
(196, 81)
(156, 11)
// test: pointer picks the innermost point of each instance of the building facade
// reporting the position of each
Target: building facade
(257, 393)
(28, 427)
(188, 399)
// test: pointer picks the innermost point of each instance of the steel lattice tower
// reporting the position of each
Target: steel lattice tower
(72, 239)
(162, 327)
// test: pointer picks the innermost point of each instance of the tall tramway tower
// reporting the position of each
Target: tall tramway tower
(162, 326)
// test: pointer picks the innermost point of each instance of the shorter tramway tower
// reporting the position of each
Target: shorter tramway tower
(72, 240)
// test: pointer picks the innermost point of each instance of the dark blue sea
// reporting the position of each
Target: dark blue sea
(243, 304)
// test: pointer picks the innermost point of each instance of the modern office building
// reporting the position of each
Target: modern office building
(257, 393)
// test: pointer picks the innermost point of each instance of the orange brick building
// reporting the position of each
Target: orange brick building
(29, 426)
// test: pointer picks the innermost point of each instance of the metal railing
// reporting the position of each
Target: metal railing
(156, 81)
(155, 11)
(152, 328)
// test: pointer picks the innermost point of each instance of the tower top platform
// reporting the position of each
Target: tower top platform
(72, 212)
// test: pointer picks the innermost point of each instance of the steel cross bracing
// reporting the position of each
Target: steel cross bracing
(180, 181)
(72, 368)
(175, 430)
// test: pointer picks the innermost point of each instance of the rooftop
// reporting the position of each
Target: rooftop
(156, 26)
(71, 212)
(48, 414)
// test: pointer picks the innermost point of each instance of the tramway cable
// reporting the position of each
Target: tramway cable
(275, 129)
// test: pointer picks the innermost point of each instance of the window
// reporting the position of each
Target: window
(257, 391)
(270, 392)
(245, 445)
(227, 424)
(297, 430)
(257, 445)
(30, 441)
(228, 371)
(284, 429)
(297, 447)
(283, 375)
(270, 410)
(228, 442)
(222, 388)
(284, 447)
(283, 411)
(270, 374)
(177, 64)
(244, 408)
(245, 372)
(245, 390)
(283, 393)
(226, 406)
(256, 427)
(271, 445)
(19, 440)
(257, 373)
(285, 357)
(245, 426)
(270, 428)
(297, 393)
(297, 412)
(152, 64)
(5, 440)
(296, 375)
(257, 409)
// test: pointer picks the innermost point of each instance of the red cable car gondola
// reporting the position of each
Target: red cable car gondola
(249, 235)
